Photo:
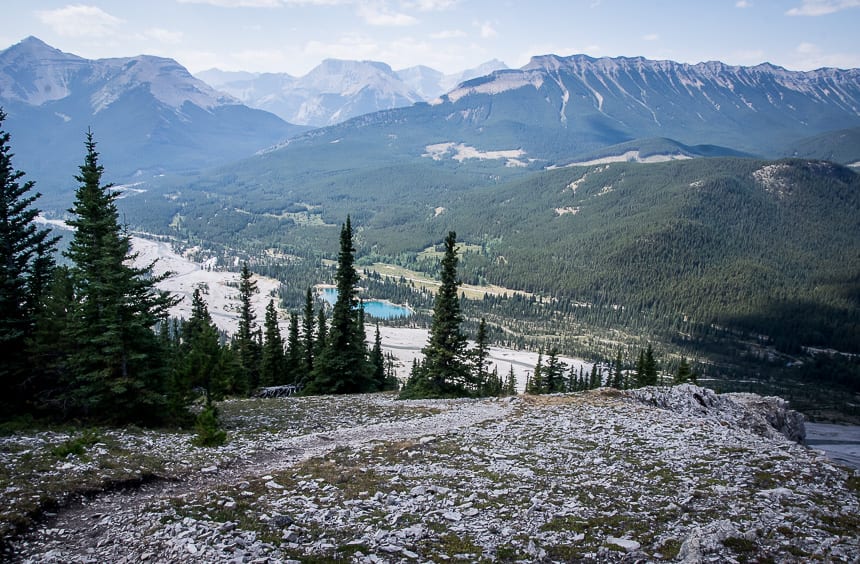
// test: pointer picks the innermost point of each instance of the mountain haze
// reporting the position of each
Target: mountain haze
(149, 116)
(337, 90)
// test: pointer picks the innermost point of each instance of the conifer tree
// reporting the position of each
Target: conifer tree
(295, 359)
(479, 360)
(117, 358)
(444, 372)
(683, 374)
(650, 367)
(245, 344)
(322, 333)
(536, 381)
(377, 361)
(197, 362)
(342, 366)
(51, 347)
(308, 344)
(618, 376)
(273, 370)
(26, 262)
(594, 381)
(553, 373)
(641, 377)
(511, 383)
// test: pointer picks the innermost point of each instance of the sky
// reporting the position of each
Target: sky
(293, 36)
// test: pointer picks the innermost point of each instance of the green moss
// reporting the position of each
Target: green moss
(740, 545)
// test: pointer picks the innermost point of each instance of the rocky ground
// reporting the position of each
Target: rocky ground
(657, 474)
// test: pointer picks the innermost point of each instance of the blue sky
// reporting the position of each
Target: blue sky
(450, 35)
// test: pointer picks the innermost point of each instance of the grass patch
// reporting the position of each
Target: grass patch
(740, 545)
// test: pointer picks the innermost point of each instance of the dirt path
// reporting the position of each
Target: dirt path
(112, 527)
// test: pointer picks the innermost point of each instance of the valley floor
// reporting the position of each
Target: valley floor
(596, 476)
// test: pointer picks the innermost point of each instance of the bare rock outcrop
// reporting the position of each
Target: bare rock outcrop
(767, 416)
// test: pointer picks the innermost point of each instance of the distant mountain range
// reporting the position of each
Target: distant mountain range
(149, 116)
(152, 117)
(337, 90)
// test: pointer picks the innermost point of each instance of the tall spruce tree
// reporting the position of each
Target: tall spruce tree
(342, 366)
(377, 361)
(444, 372)
(295, 359)
(553, 373)
(246, 346)
(26, 262)
(117, 359)
(650, 367)
(273, 370)
(308, 344)
(479, 356)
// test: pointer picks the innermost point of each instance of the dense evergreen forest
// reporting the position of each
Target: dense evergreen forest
(743, 266)
(737, 262)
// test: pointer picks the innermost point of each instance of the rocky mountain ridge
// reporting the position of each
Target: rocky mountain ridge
(337, 90)
(149, 115)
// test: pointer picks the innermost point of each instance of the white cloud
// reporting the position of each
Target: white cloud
(448, 34)
(743, 4)
(380, 15)
(432, 5)
(163, 35)
(487, 30)
(748, 57)
(351, 46)
(809, 56)
(822, 7)
(80, 21)
(651, 37)
(236, 3)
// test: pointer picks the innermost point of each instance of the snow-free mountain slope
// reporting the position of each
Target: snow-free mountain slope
(149, 116)
(753, 109)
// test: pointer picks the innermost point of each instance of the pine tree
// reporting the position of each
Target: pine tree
(308, 344)
(650, 367)
(683, 374)
(342, 366)
(641, 376)
(618, 376)
(246, 347)
(536, 382)
(594, 381)
(295, 359)
(322, 333)
(479, 361)
(553, 373)
(511, 383)
(444, 372)
(26, 262)
(273, 370)
(377, 361)
(197, 362)
(51, 347)
(117, 358)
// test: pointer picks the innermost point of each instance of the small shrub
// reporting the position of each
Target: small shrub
(76, 445)
(208, 428)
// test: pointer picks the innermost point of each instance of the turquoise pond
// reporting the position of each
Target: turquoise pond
(379, 309)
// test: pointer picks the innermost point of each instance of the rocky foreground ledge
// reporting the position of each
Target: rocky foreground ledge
(675, 474)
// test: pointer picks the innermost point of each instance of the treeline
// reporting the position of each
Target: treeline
(553, 376)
